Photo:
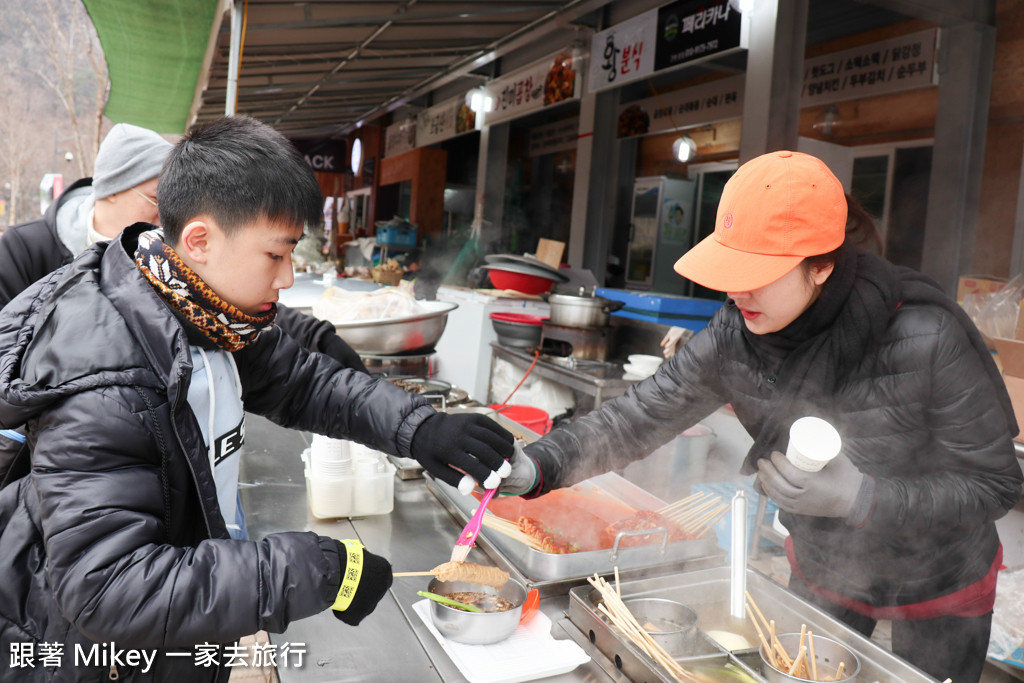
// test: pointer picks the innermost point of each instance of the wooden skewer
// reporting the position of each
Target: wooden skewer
(800, 657)
(760, 635)
(810, 654)
(621, 618)
(691, 513)
(707, 526)
(839, 671)
(756, 609)
(685, 502)
(413, 574)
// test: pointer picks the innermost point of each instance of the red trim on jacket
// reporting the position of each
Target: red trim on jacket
(975, 600)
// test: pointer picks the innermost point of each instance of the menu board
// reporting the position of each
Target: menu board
(882, 67)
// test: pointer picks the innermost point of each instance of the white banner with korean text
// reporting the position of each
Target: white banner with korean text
(543, 83)
(399, 137)
(443, 121)
(624, 52)
(900, 63)
(706, 103)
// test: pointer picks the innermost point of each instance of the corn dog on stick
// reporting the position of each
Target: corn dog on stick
(471, 573)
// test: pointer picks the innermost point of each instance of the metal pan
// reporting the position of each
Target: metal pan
(574, 567)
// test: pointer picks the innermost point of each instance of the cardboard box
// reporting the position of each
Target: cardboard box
(1011, 360)
(977, 284)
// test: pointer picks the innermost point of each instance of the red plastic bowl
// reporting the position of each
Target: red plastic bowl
(520, 282)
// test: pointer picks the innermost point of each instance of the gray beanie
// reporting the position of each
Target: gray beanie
(128, 156)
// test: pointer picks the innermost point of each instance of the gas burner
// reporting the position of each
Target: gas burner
(580, 343)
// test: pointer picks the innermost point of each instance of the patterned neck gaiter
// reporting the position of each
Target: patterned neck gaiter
(225, 326)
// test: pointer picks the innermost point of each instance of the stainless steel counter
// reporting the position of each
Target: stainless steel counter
(392, 644)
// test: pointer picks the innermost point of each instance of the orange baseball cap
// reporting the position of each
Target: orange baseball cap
(776, 210)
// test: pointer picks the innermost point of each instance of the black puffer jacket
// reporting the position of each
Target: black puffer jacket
(30, 250)
(918, 414)
(116, 534)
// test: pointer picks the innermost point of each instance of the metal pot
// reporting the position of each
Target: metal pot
(570, 310)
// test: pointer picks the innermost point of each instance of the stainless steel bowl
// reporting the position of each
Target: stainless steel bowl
(671, 624)
(827, 652)
(398, 335)
(476, 628)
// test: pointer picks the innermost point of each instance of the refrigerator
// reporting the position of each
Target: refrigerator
(661, 229)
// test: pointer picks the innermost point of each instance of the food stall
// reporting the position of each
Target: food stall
(395, 644)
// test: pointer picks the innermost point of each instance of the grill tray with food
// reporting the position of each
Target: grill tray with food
(595, 504)
(706, 591)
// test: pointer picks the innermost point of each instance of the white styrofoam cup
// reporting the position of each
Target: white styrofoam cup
(812, 443)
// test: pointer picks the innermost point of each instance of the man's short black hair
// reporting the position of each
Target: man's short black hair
(236, 170)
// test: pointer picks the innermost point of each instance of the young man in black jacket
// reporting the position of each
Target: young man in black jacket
(122, 191)
(131, 370)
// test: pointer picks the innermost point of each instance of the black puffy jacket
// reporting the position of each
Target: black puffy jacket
(30, 250)
(918, 414)
(116, 535)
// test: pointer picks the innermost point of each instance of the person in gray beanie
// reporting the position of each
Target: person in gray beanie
(128, 157)
(122, 191)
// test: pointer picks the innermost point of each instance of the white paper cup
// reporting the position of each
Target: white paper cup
(812, 443)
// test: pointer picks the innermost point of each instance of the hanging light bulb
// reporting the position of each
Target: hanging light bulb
(480, 100)
(742, 6)
(684, 148)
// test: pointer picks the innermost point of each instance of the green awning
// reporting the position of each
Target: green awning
(154, 51)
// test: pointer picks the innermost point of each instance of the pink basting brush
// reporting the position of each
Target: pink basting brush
(467, 539)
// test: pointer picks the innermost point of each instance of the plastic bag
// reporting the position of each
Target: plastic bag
(995, 314)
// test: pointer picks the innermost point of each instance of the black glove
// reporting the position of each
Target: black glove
(361, 590)
(475, 444)
(336, 347)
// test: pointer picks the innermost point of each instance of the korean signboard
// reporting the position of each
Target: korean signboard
(692, 30)
(886, 66)
(399, 137)
(445, 120)
(548, 81)
(559, 136)
(624, 52)
(706, 103)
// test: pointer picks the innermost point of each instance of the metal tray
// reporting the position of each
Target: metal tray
(707, 592)
(538, 566)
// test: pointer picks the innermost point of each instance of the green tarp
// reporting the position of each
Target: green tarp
(154, 51)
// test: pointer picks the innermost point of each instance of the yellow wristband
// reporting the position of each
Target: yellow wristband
(353, 571)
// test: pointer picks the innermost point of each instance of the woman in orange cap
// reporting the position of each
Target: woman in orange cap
(900, 525)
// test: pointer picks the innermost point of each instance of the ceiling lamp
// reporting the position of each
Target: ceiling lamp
(684, 148)
(479, 100)
(742, 6)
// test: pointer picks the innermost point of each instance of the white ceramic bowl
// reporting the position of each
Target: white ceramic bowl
(644, 364)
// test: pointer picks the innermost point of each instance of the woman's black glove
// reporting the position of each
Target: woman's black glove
(365, 579)
(475, 444)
